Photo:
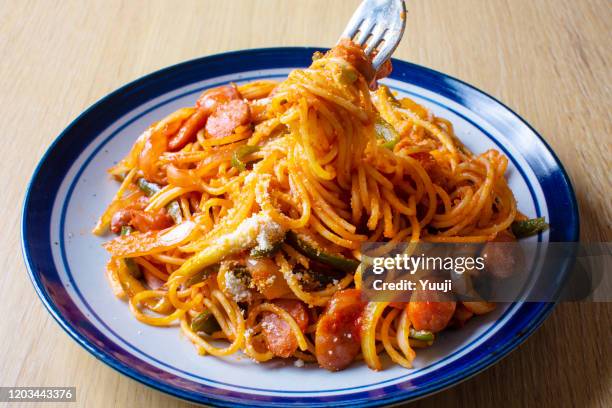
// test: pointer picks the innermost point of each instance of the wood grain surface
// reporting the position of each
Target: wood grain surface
(550, 60)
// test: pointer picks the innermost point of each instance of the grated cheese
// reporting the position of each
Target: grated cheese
(236, 288)
(258, 229)
(270, 281)
(268, 326)
(270, 232)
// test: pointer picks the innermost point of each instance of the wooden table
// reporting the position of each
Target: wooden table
(548, 59)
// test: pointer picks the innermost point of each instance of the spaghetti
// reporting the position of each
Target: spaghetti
(241, 218)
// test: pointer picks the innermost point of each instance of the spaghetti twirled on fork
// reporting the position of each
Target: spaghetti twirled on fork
(241, 218)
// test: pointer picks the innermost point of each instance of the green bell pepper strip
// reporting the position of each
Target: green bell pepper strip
(259, 252)
(132, 266)
(422, 335)
(384, 130)
(205, 322)
(526, 228)
(150, 188)
(202, 275)
(240, 153)
(310, 250)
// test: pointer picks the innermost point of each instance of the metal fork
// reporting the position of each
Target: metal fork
(379, 24)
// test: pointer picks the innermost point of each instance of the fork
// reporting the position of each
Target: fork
(379, 25)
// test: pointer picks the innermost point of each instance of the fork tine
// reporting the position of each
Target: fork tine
(392, 38)
(351, 29)
(376, 21)
(364, 31)
(377, 36)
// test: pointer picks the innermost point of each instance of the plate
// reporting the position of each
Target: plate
(70, 188)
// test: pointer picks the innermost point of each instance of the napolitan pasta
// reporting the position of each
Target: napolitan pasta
(241, 218)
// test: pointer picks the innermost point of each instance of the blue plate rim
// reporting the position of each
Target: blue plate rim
(539, 313)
